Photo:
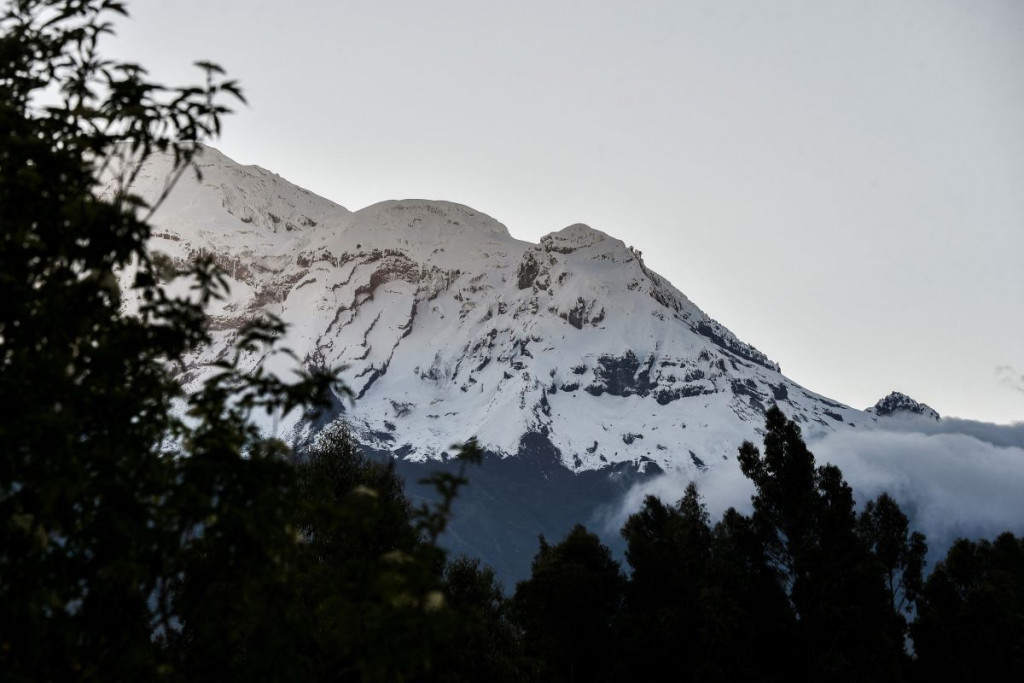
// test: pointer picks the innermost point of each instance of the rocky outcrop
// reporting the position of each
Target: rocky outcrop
(900, 404)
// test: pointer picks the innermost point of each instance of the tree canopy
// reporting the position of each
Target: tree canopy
(113, 483)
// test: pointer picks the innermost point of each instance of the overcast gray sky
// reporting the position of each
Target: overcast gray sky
(839, 183)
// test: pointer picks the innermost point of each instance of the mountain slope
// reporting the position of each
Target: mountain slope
(449, 327)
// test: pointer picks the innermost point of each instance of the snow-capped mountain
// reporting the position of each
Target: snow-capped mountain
(896, 404)
(449, 327)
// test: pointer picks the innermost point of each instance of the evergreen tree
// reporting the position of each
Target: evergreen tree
(332, 474)
(668, 548)
(784, 502)
(970, 622)
(567, 606)
(487, 643)
(368, 584)
(749, 628)
(847, 627)
(898, 552)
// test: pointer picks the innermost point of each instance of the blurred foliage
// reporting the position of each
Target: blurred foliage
(103, 488)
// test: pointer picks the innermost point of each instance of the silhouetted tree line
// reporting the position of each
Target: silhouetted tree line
(146, 534)
(803, 587)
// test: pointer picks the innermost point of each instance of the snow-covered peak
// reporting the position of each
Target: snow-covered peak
(437, 232)
(231, 206)
(577, 236)
(449, 327)
(898, 403)
(433, 218)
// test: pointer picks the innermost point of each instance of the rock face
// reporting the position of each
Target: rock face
(449, 327)
(896, 404)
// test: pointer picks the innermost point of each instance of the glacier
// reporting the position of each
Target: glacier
(448, 327)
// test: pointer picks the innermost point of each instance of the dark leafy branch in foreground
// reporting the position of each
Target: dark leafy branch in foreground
(146, 534)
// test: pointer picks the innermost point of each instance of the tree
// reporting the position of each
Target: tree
(567, 606)
(668, 548)
(332, 474)
(367, 583)
(749, 627)
(785, 499)
(108, 495)
(488, 643)
(970, 622)
(899, 552)
(847, 626)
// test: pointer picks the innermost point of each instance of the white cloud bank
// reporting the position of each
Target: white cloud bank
(952, 478)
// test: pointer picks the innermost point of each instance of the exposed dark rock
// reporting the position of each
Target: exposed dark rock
(375, 374)
(578, 314)
(748, 388)
(897, 403)
(644, 465)
(582, 314)
(622, 376)
(716, 333)
(665, 395)
(382, 436)
(618, 374)
(545, 408)
(701, 465)
(401, 408)
(528, 270)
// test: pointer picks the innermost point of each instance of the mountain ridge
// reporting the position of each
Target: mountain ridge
(897, 403)
(450, 327)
